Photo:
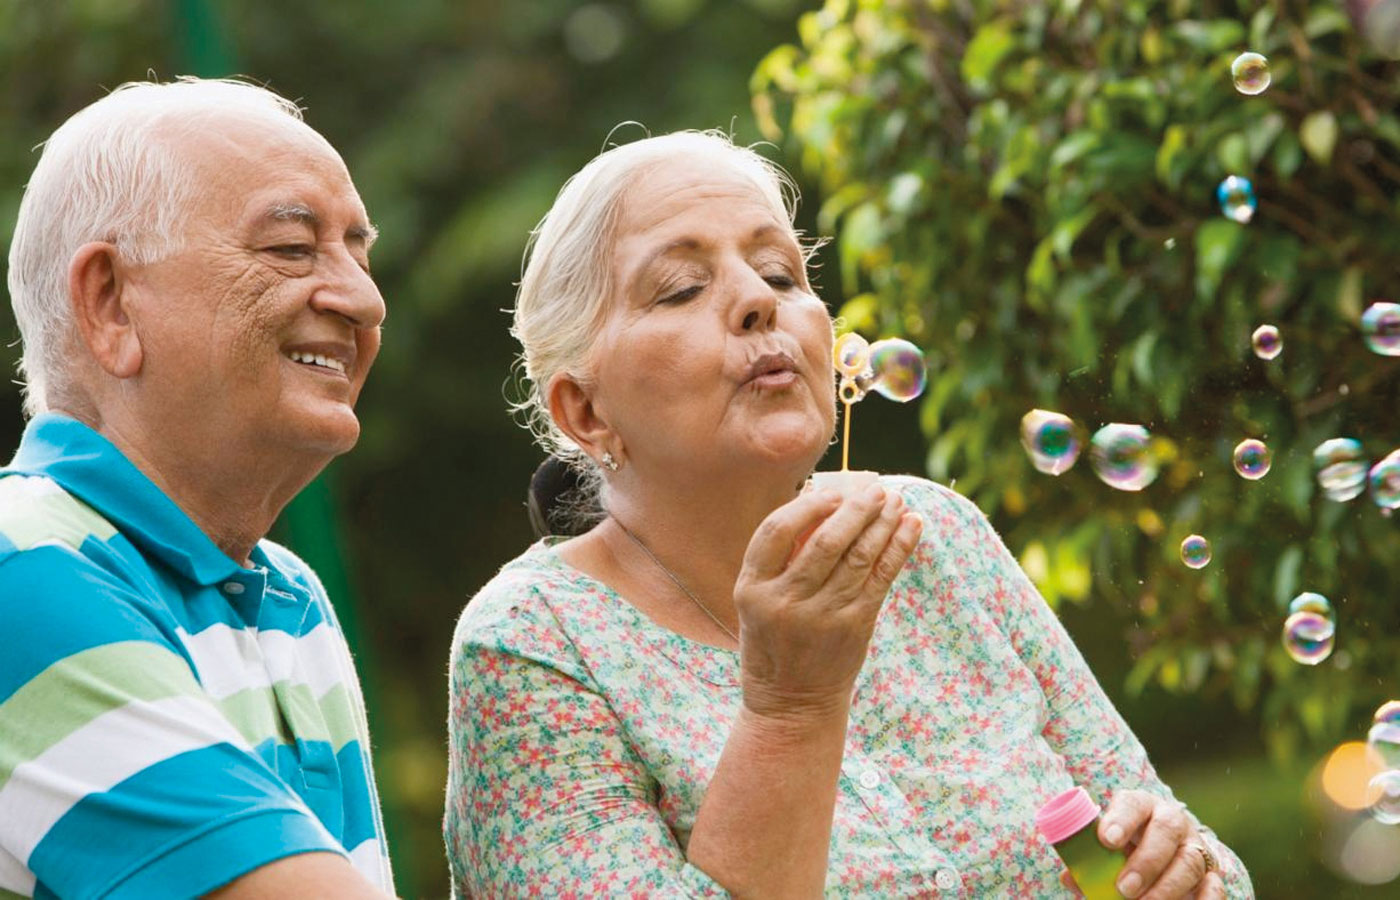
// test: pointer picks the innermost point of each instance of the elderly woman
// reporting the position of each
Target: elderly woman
(730, 685)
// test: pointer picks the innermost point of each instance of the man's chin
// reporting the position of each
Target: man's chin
(326, 431)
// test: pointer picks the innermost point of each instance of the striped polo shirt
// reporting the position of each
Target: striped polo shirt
(169, 720)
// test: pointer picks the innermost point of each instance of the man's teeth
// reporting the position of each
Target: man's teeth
(312, 359)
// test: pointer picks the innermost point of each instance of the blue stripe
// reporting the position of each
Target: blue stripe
(60, 604)
(155, 811)
(360, 820)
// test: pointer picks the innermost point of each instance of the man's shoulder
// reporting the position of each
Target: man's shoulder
(35, 511)
(293, 567)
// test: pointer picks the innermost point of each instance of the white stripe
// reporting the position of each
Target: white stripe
(27, 487)
(226, 659)
(230, 659)
(101, 754)
(312, 659)
(369, 860)
(15, 876)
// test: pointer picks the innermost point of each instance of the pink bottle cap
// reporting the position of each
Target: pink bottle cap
(1065, 814)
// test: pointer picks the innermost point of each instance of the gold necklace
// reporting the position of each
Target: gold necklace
(675, 580)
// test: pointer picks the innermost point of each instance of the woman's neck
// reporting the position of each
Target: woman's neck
(699, 531)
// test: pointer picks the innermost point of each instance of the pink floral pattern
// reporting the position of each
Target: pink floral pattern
(582, 734)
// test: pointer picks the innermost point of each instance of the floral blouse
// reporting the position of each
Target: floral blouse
(583, 734)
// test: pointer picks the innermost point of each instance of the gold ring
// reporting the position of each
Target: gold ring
(1206, 856)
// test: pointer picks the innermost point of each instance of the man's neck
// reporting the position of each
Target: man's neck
(232, 494)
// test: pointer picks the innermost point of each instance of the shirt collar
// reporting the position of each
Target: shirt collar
(90, 467)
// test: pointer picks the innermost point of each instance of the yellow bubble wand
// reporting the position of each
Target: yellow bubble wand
(891, 367)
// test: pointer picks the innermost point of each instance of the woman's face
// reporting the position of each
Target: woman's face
(715, 352)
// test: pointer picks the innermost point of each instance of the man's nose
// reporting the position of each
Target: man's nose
(350, 292)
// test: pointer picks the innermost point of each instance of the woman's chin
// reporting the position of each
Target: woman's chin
(795, 448)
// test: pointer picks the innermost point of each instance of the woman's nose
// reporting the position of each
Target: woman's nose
(757, 307)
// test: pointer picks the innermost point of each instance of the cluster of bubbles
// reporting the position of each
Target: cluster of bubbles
(893, 368)
(1380, 323)
(1121, 454)
(1235, 194)
(1123, 457)
(1383, 743)
(1344, 472)
(1310, 631)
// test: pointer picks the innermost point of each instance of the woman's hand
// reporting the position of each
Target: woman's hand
(1167, 856)
(814, 577)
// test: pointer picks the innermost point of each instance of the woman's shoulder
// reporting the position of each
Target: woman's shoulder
(929, 497)
(518, 598)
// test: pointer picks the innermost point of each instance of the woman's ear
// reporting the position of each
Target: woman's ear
(575, 412)
(96, 291)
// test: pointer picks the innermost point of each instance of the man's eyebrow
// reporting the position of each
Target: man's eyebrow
(292, 212)
(300, 212)
(366, 233)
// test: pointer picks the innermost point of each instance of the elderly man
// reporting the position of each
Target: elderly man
(179, 713)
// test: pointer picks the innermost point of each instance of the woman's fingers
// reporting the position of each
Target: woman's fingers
(1212, 887)
(892, 560)
(1183, 874)
(854, 567)
(770, 548)
(1160, 828)
(820, 554)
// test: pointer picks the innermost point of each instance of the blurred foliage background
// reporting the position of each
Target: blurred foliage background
(1025, 189)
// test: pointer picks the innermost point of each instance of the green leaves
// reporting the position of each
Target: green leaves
(1035, 197)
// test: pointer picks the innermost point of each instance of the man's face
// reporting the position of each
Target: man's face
(258, 334)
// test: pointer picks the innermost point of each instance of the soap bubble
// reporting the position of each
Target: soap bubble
(1195, 551)
(1384, 737)
(1312, 603)
(1385, 789)
(1268, 343)
(1251, 73)
(1380, 326)
(1050, 441)
(1236, 198)
(899, 369)
(1385, 481)
(1308, 637)
(851, 354)
(1341, 469)
(1252, 459)
(1122, 456)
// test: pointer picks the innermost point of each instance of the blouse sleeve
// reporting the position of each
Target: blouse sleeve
(1100, 751)
(544, 796)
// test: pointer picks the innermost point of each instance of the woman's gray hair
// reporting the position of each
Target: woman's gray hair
(566, 283)
(112, 172)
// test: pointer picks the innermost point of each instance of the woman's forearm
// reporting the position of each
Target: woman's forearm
(764, 828)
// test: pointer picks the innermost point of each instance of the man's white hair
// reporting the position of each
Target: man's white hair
(113, 172)
(567, 282)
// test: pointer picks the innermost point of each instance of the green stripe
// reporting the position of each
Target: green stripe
(256, 714)
(7, 895)
(79, 688)
(50, 517)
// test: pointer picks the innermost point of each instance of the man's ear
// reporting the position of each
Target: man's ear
(96, 290)
(574, 411)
